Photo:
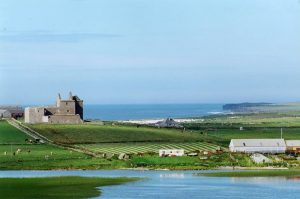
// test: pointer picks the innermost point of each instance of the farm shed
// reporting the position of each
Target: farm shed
(258, 145)
(4, 113)
(171, 152)
(169, 122)
(293, 145)
(11, 111)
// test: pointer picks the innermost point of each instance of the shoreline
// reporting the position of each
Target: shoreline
(228, 168)
(154, 121)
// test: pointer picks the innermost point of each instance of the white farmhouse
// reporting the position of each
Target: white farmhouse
(257, 145)
(171, 152)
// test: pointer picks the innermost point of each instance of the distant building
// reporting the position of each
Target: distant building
(11, 111)
(169, 122)
(293, 145)
(258, 145)
(5, 114)
(171, 152)
(68, 111)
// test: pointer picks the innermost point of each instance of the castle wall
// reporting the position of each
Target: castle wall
(65, 119)
(65, 112)
(51, 111)
(79, 108)
(66, 107)
(34, 115)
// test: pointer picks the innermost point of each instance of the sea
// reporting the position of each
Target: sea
(148, 111)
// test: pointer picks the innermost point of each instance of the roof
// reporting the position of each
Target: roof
(291, 143)
(258, 142)
(168, 122)
(3, 111)
(13, 109)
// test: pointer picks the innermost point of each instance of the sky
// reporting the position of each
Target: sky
(150, 51)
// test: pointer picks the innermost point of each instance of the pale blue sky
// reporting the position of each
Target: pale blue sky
(150, 51)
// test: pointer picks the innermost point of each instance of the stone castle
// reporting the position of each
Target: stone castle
(68, 111)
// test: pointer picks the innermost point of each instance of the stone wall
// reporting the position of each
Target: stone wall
(65, 119)
(34, 115)
(66, 107)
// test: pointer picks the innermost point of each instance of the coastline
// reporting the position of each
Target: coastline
(153, 121)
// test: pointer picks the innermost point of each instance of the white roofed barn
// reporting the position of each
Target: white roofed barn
(258, 145)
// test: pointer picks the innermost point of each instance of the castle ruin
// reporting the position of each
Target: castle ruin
(68, 111)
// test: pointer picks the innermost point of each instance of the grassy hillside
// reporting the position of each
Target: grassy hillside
(11, 135)
(255, 133)
(134, 148)
(56, 187)
(288, 119)
(43, 156)
(91, 133)
(222, 128)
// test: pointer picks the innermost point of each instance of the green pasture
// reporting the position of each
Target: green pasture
(192, 163)
(134, 148)
(11, 135)
(290, 119)
(254, 133)
(92, 133)
(47, 157)
(56, 187)
(36, 152)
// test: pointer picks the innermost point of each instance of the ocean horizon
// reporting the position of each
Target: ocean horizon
(148, 111)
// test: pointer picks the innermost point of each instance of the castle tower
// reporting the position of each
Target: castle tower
(58, 99)
(70, 96)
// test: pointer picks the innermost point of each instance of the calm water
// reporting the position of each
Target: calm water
(149, 111)
(181, 184)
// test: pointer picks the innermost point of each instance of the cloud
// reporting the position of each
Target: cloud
(41, 36)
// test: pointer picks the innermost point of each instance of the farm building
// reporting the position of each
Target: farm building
(11, 111)
(4, 113)
(293, 145)
(258, 145)
(169, 122)
(171, 152)
(69, 111)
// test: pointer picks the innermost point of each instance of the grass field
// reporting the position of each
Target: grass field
(40, 157)
(227, 134)
(56, 187)
(91, 133)
(36, 152)
(192, 163)
(260, 173)
(44, 156)
(287, 119)
(9, 134)
(134, 148)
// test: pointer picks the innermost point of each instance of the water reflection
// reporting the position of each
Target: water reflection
(259, 180)
(172, 175)
(182, 184)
